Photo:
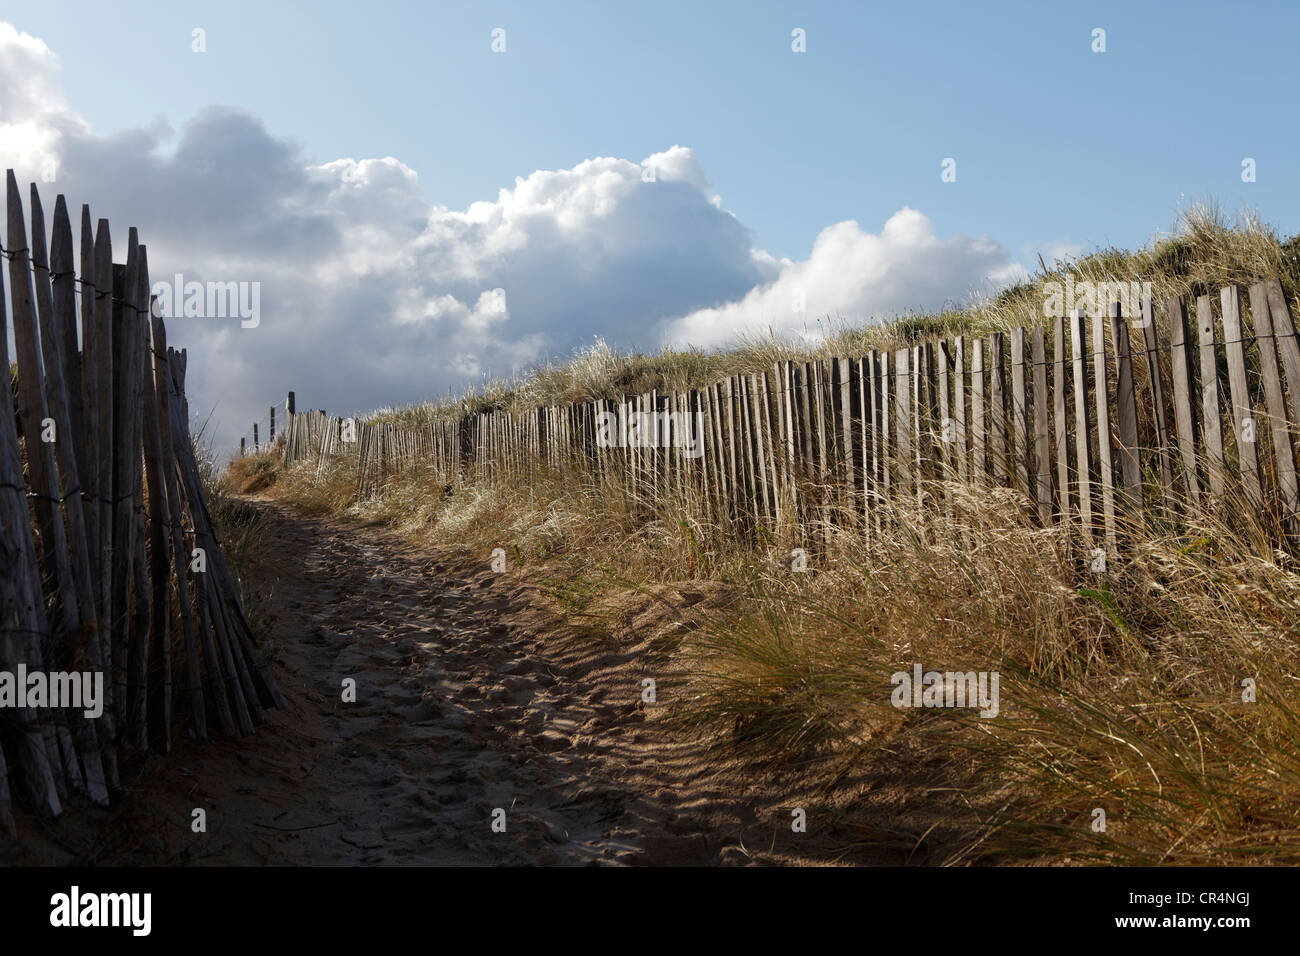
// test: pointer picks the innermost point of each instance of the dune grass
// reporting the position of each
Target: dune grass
(1160, 696)
(1205, 250)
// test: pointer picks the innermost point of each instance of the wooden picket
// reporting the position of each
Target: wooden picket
(811, 448)
(108, 570)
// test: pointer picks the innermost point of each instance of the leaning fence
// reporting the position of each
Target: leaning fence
(109, 562)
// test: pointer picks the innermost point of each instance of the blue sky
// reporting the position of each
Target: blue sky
(1057, 147)
(1052, 140)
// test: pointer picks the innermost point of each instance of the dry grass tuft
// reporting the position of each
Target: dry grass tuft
(1125, 692)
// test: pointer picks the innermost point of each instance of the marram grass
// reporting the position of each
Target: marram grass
(1148, 715)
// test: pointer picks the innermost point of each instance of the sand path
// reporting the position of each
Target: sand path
(464, 705)
(467, 702)
(454, 719)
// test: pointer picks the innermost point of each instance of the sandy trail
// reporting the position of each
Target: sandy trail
(466, 702)
(453, 719)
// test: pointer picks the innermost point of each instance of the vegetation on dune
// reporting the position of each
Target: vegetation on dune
(238, 523)
(1163, 695)
(1205, 252)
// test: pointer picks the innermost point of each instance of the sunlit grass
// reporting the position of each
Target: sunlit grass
(1121, 692)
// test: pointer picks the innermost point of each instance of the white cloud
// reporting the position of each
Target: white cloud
(372, 295)
(854, 275)
(33, 111)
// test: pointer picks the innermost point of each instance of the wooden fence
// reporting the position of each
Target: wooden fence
(1104, 422)
(109, 563)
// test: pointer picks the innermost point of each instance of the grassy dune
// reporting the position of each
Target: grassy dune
(1128, 694)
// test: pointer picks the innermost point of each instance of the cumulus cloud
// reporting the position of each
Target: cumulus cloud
(34, 111)
(372, 294)
(855, 275)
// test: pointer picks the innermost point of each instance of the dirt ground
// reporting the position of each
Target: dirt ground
(467, 702)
